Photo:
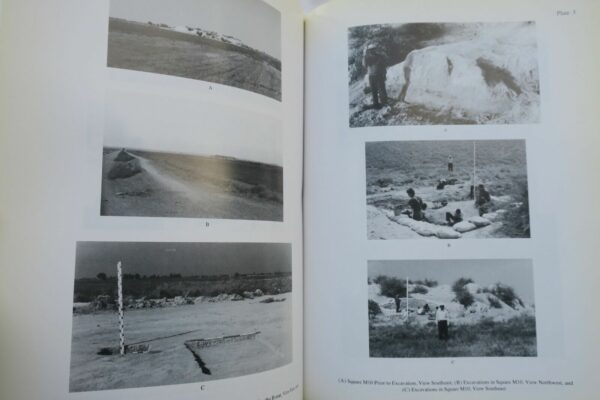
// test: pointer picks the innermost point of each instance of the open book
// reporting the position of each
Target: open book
(232, 199)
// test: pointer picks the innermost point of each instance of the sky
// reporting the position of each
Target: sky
(154, 122)
(149, 258)
(516, 273)
(254, 22)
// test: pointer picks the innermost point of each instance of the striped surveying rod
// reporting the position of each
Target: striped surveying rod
(120, 294)
(407, 298)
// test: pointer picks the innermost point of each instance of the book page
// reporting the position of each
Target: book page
(449, 166)
(151, 234)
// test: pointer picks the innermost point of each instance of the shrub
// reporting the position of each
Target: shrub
(494, 302)
(462, 295)
(374, 309)
(506, 294)
(460, 284)
(515, 222)
(392, 287)
(426, 282)
(465, 298)
(420, 289)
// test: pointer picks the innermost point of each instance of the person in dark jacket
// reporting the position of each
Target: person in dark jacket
(375, 63)
(416, 204)
(482, 199)
(454, 218)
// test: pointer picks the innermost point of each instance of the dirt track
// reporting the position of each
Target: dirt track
(172, 185)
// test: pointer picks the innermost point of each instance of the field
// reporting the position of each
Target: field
(180, 185)
(394, 167)
(166, 330)
(149, 48)
(513, 338)
(156, 287)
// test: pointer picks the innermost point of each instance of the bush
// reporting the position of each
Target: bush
(465, 298)
(420, 289)
(460, 284)
(515, 222)
(494, 302)
(426, 282)
(374, 309)
(391, 287)
(506, 294)
(462, 295)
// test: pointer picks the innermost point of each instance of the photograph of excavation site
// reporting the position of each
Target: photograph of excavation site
(443, 74)
(151, 314)
(451, 308)
(182, 157)
(208, 40)
(447, 189)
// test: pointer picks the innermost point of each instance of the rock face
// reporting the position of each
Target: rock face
(491, 71)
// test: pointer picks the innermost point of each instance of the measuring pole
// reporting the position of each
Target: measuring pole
(407, 299)
(120, 294)
(474, 183)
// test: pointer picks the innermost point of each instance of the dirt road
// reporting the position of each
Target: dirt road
(172, 185)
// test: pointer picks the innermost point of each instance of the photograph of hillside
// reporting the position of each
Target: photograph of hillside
(443, 74)
(153, 314)
(451, 308)
(206, 40)
(447, 189)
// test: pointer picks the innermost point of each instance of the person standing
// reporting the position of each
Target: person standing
(397, 301)
(375, 63)
(441, 316)
(482, 199)
(450, 164)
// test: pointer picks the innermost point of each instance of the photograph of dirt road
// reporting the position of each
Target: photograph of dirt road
(153, 184)
(206, 40)
(183, 157)
(447, 189)
(451, 308)
(191, 312)
(443, 73)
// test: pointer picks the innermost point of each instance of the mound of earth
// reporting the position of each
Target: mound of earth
(124, 166)
(486, 304)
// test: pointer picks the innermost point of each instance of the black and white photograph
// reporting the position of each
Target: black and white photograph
(451, 308)
(208, 40)
(153, 314)
(183, 158)
(443, 74)
(447, 189)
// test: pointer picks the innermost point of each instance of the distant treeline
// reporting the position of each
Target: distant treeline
(172, 285)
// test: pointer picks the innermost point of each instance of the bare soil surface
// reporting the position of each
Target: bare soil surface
(169, 361)
(179, 185)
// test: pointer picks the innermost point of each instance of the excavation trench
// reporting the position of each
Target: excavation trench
(196, 345)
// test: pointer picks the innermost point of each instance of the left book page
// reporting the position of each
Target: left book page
(150, 210)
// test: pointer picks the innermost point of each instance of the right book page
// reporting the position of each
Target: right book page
(450, 178)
